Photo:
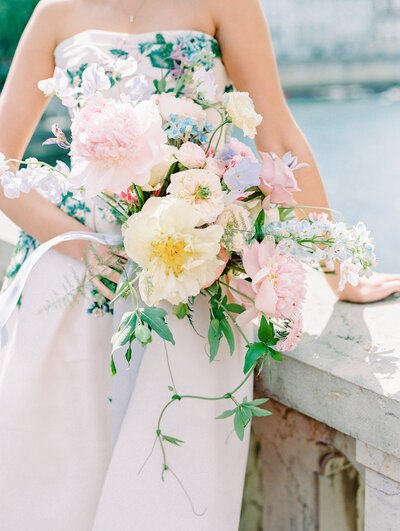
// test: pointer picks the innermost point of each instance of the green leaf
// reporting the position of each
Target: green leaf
(256, 402)
(246, 414)
(277, 356)
(226, 414)
(162, 84)
(234, 308)
(285, 213)
(238, 423)
(120, 338)
(159, 59)
(119, 53)
(258, 412)
(170, 388)
(128, 354)
(254, 352)
(155, 318)
(160, 39)
(266, 332)
(259, 225)
(125, 320)
(113, 367)
(172, 440)
(214, 337)
(228, 333)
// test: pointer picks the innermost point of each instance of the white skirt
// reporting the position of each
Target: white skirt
(73, 439)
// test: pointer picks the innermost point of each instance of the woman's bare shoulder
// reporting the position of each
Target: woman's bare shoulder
(53, 18)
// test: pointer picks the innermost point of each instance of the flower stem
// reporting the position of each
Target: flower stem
(227, 121)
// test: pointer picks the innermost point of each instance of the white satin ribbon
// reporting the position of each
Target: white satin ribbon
(9, 298)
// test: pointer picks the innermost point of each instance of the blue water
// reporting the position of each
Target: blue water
(357, 147)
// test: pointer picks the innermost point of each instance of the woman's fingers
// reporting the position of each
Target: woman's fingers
(101, 288)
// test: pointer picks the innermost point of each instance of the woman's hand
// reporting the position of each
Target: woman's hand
(373, 289)
(105, 262)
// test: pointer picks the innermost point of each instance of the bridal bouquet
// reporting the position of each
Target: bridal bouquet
(198, 214)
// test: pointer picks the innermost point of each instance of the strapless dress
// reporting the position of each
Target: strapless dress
(72, 438)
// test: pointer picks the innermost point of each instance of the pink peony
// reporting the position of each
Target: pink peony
(277, 180)
(115, 144)
(277, 282)
(244, 294)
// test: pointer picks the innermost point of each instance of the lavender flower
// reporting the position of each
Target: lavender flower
(243, 175)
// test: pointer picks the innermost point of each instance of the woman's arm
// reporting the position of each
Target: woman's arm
(21, 106)
(249, 58)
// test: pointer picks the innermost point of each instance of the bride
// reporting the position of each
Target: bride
(72, 447)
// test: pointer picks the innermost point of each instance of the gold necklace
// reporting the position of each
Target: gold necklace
(133, 17)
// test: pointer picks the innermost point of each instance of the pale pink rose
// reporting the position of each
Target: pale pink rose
(295, 329)
(277, 280)
(191, 155)
(215, 166)
(115, 144)
(277, 181)
(242, 149)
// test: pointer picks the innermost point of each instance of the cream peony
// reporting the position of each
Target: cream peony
(183, 107)
(242, 113)
(159, 171)
(191, 155)
(176, 257)
(238, 227)
(202, 190)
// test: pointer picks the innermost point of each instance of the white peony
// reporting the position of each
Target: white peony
(183, 107)
(159, 171)
(202, 190)
(177, 258)
(238, 227)
(242, 113)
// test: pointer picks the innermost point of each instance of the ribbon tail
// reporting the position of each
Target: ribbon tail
(9, 298)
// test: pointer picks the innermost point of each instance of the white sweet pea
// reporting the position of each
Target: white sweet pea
(3, 166)
(206, 86)
(349, 273)
(10, 184)
(136, 89)
(94, 79)
(125, 67)
(59, 85)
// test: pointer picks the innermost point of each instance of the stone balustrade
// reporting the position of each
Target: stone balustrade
(336, 405)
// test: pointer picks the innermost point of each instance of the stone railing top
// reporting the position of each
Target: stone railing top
(346, 369)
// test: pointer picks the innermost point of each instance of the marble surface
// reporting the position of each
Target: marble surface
(345, 371)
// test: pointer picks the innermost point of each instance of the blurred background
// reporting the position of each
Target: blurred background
(339, 62)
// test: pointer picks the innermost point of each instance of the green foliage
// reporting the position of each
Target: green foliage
(243, 413)
(13, 18)
(155, 318)
(262, 350)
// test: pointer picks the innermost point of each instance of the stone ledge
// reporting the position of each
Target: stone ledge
(346, 370)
